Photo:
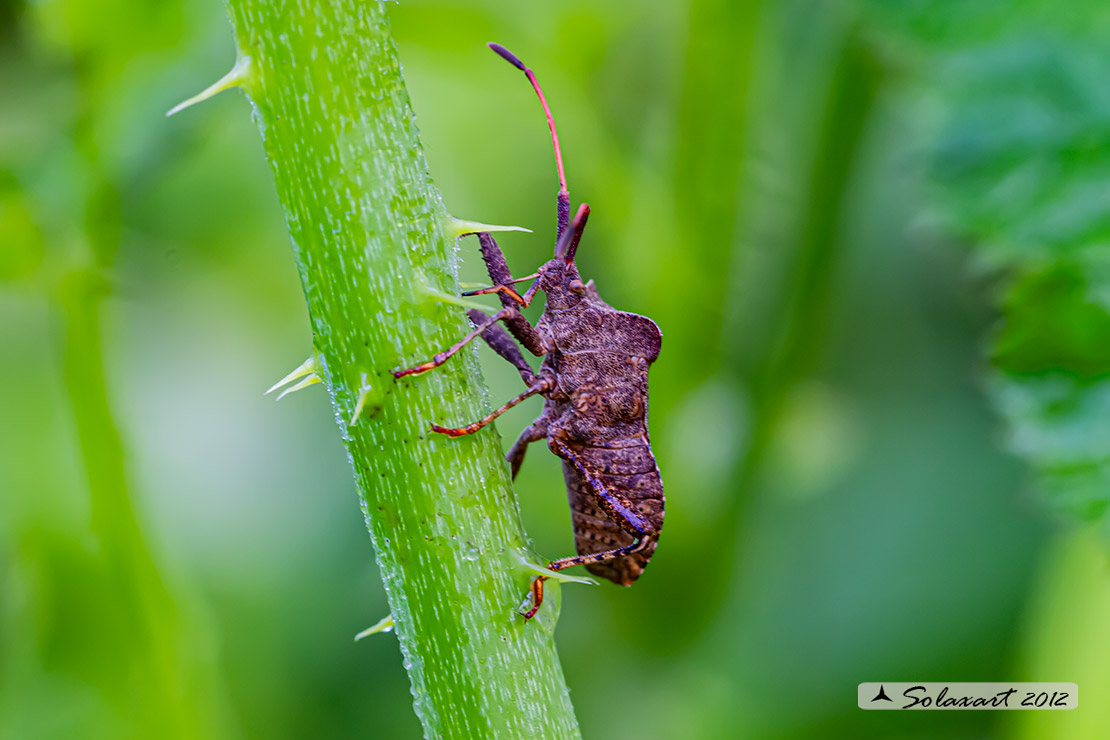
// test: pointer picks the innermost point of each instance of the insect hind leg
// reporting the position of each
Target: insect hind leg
(534, 600)
(616, 506)
(638, 544)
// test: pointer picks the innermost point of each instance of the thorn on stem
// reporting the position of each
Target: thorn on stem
(384, 625)
(456, 227)
(237, 76)
(365, 391)
(309, 368)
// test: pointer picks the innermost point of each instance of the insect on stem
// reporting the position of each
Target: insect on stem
(594, 382)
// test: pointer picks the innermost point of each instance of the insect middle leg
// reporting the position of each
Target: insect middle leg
(616, 506)
(541, 385)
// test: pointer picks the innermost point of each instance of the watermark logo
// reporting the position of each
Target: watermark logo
(944, 695)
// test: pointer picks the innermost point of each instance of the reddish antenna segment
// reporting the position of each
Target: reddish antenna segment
(564, 194)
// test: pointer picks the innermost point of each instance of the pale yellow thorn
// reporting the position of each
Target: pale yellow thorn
(239, 74)
(364, 389)
(310, 380)
(385, 625)
(557, 575)
(308, 366)
(456, 227)
(455, 300)
(436, 295)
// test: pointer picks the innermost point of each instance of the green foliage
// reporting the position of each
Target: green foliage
(777, 184)
(21, 242)
(1019, 165)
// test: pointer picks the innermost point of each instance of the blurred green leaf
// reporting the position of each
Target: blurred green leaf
(1018, 168)
(1052, 325)
(1062, 425)
(21, 242)
(1021, 162)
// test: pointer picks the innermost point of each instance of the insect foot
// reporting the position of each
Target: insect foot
(534, 600)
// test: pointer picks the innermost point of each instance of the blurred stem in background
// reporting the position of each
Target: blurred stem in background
(153, 676)
(788, 290)
(149, 683)
(805, 119)
(1066, 638)
(97, 603)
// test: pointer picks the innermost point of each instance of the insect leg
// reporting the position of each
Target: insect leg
(638, 544)
(539, 386)
(442, 357)
(501, 343)
(534, 432)
(616, 506)
(504, 289)
(534, 599)
(619, 509)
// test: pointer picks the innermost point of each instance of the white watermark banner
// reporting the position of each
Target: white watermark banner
(942, 695)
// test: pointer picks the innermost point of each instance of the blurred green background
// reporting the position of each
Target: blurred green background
(874, 236)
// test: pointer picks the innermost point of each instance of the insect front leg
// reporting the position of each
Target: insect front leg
(500, 342)
(616, 506)
(505, 289)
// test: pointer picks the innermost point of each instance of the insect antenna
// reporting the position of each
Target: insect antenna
(563, 205)
(568, 242)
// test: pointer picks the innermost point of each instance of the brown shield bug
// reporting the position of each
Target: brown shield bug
(594, 380)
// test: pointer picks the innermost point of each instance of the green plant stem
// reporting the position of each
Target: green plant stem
(369, 237)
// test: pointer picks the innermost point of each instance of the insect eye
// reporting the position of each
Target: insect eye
(576, 286)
